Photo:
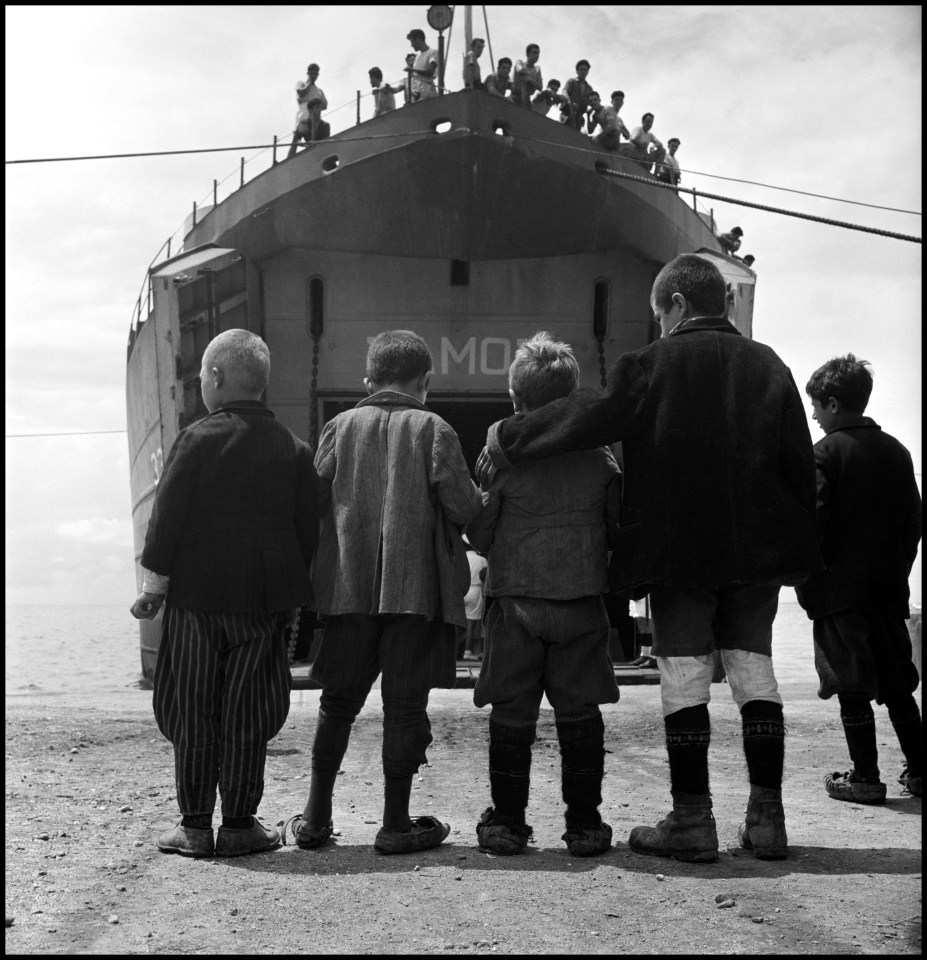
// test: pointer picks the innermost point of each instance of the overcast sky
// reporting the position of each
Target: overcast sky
(825, 100)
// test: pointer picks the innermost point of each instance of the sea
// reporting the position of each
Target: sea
(95, 649)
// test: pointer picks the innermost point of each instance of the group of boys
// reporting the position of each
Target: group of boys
(703, 410)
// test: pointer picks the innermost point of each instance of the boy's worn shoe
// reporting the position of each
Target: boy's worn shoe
(588, 841)
(187, 841)
(306, 837)
(499, 835)
(687, 833)
(847, 786)
(764, 829)
(426, 832)
(238, 843)
(910, 783)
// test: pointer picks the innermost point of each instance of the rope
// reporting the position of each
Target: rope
(756, 206)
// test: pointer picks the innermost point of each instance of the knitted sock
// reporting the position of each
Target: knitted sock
(237, 823)
(510, 769)
(200, 821)
(582, 758)
(859, 729)
(906, 719)
(764, 742)
(396, 793)
(688, 733)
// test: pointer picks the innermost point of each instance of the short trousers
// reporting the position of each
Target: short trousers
(865, 653)
(534, 647)
(694, 621)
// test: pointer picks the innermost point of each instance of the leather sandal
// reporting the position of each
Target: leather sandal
(426, 832)
(306, 837)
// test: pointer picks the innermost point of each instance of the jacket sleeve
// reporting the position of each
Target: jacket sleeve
(453, 485)
(612, 499)
(797, 453)
(307, 507)
(172, 503)
(481, 532)
(325, 464)
(581, 421)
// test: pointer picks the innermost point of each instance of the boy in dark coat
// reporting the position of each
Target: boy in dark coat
(229, 546)
(869, 524)
(717, 513)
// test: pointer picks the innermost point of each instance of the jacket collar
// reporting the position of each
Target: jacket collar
(861, 422)
(715, 324)
(391, 398)
(246, 406)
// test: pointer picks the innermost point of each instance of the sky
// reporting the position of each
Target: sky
(825, 100)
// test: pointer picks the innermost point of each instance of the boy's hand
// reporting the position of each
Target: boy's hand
(486, 470)
(146, 606)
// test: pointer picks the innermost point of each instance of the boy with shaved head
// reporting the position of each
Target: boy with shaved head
(228, 550)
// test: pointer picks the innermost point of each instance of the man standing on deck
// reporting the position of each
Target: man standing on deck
(472, 77)
(718, 512)
(425, 68)
(309, 123)
(647, 150)
(526, 77)
(668, 171)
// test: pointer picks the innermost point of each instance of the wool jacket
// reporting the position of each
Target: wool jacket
(546, 526)
(382, 466)
(718, 483)
(235, 520)
(869, 517)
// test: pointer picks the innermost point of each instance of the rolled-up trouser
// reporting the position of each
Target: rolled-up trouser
(691, 623)
(221, 691)
(413, 654)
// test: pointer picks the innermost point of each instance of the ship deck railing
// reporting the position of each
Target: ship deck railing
(142, 307)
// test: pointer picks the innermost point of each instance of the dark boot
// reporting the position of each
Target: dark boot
(687, 833)
(764, 829)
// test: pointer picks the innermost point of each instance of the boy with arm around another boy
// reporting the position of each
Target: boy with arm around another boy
(229, 546)
(382, 467)
(544, 527)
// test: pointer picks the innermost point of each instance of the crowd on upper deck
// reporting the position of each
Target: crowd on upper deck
(576, 103)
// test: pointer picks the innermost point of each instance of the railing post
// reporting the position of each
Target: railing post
(275, 150)
(194, 213)
(168, 248)
(358, 105)
(242, 172)
(215, 194)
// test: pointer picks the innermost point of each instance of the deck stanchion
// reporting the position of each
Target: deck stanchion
(242, 172)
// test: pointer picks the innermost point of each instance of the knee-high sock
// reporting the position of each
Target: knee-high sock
(906, 719)
(764, 742)
(510, 768)
(582, 756)
(688, 733)
(859, 729)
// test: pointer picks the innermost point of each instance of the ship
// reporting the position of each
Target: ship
(465, 217)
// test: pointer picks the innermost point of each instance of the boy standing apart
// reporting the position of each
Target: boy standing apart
(869, 523)
(229, 546)
(544, 526)
(384, 467)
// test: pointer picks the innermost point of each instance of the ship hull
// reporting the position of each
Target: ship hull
(475, 237)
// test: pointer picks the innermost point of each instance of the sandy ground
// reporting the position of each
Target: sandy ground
(89, 785)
